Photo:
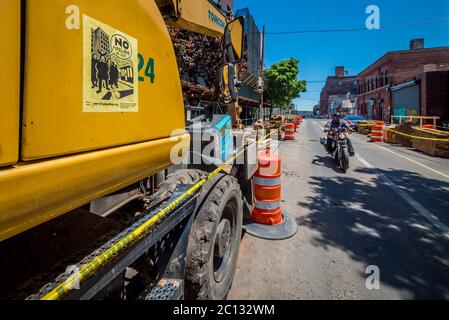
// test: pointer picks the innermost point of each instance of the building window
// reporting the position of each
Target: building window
(382, 83)
(387, 80)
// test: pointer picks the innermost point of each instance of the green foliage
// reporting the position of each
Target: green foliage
(283, 83)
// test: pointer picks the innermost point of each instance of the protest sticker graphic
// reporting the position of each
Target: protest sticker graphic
(110, 81)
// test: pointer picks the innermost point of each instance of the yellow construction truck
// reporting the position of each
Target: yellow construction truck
(96, 200)
(91, 204)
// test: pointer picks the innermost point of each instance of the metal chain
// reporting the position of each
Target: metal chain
(88, 259)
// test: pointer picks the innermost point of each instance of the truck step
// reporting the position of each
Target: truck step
(166, 289)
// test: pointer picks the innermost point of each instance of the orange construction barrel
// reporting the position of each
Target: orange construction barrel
(268, 219)
(377, 133)
(298, 120)
(289, 129)
(267, 181)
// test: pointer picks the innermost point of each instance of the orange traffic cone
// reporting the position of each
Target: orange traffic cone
(268, 220)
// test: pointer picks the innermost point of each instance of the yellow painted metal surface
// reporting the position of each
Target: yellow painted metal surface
(236, 32)
(47, 189)
(9, 81)
(56, 119)
(199, 16)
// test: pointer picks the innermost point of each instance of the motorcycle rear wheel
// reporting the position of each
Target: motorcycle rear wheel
(344, 160)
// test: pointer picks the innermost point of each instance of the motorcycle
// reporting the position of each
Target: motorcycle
(339, 152)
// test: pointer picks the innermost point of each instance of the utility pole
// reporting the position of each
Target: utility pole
(261, 82)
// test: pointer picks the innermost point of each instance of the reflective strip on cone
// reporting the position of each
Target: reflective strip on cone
(268, 205)
(267, 182)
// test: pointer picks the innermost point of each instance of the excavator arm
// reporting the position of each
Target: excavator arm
(200, 16)
(204, 17)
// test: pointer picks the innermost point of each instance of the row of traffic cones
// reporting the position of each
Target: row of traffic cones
(292, 127)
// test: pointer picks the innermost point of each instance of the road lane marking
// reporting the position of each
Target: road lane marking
(413, 161)
(434, 220)
(364, 162)
(315, 123)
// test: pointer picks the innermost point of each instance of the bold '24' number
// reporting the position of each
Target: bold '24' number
(149, 69)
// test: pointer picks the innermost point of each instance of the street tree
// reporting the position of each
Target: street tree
(283, 84)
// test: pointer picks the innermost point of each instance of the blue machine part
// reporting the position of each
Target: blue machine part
(224, 126)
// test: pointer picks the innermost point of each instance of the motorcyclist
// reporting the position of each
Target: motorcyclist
(334, 125)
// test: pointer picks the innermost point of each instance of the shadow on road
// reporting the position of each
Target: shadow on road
(370, 222)
(327, 162)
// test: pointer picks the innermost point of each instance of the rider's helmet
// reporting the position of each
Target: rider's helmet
(337, 116)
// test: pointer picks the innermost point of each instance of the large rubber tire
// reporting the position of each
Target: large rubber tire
(223, 204)
(335, 158)
(173, 181)
(345, 160)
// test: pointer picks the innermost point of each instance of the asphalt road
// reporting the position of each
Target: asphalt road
(391, 210)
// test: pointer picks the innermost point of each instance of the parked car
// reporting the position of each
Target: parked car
(354, 120)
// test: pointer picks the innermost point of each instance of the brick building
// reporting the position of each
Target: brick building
(435, 94)
(338, 88)
(404, 83)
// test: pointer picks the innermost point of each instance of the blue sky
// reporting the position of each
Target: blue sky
(319, 53)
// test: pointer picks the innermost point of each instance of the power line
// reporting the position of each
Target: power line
(316, 31)
(393, 26)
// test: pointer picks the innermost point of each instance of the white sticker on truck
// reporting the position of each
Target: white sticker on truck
(110, 81)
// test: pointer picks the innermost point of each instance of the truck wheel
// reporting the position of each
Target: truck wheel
(173, 181)
(214, 242)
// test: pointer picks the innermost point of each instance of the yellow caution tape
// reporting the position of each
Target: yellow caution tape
(417, 137)
(367, 125)
(408, 135)
(86, 271)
